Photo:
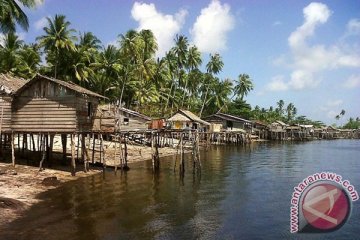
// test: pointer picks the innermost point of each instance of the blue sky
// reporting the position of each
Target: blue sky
(303, 52)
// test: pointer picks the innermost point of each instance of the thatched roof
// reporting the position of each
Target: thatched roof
(186, 116)
(280, 122)
(69, 85)
(10, 84)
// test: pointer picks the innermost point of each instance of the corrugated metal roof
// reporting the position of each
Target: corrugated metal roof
(10, 84)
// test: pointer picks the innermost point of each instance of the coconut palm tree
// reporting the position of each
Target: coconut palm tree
(193, 61)
(12, 14)
(291, 111)
(30, 61)
(280, 108)
(244, 85)
(10, 53)
(57, 40)
(214, 66)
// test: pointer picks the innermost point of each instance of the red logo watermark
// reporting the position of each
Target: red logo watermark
(321, 203)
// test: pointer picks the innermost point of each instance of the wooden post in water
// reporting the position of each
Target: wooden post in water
(182, 160)
(93, 149)
(73, 164)
(85, 153)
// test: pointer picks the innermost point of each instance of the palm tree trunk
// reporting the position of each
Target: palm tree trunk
(203, 105)
(225, 103)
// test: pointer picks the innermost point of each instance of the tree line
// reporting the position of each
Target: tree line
(128, 72)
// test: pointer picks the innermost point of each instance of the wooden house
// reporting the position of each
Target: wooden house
(259, 129)
(184, 119)
(110, 118)
(229, 123)
(8, 86)
(49, 105)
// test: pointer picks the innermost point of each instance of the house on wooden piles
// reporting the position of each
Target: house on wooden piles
(260, 129)
(47, 105)
(8, 86)
(229, 123)
(110, 118)
(184, 119)
(277, 130)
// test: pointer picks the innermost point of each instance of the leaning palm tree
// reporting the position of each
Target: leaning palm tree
(214, 66)
(58, 39)
(12, 14)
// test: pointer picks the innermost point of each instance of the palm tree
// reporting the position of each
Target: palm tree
(221, 93)
(12, 14)
(291, 111)
(57, 40)
(214, 66)
(280, 107)
(10, 53)
(30, 61)
(244, 85)
(193, 61)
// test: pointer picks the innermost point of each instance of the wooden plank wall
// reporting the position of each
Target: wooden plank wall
(5, 113)
(57, 114)
(85, 120)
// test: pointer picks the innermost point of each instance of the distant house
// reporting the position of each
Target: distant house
(228, 122)
(277, 126)
(8, 86)
(110, 118)
(259, 129)
(184, 119)
(45, 104)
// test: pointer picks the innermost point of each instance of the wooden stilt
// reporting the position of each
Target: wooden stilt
(64, 146)
(43, 153)
(12, 149)
(73, 165)
(93, 149)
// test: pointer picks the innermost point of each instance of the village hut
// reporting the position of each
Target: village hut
(8, 86)
(259, 129)
(184, 119)
(228, 123)
(49, 105)
(277, 130)
(110, 118)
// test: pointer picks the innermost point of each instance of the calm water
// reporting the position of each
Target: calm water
(243, 193)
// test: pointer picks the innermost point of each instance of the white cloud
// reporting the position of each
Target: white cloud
(332, 108)
(41, 23)
(39, 2)
(164, 26)
(308, 61)
(209, 32)
(314, 14)
(277, 23)
(353, 27)
(277, 83)
(353, 81)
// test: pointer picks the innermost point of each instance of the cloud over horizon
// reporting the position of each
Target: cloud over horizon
(164, 26)
(308, 61)
(210, 30)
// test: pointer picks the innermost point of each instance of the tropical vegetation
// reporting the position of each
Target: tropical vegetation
(128, 72)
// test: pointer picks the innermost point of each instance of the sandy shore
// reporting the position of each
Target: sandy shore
(20, 186)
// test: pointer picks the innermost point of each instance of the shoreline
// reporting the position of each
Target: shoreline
(21, 185)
